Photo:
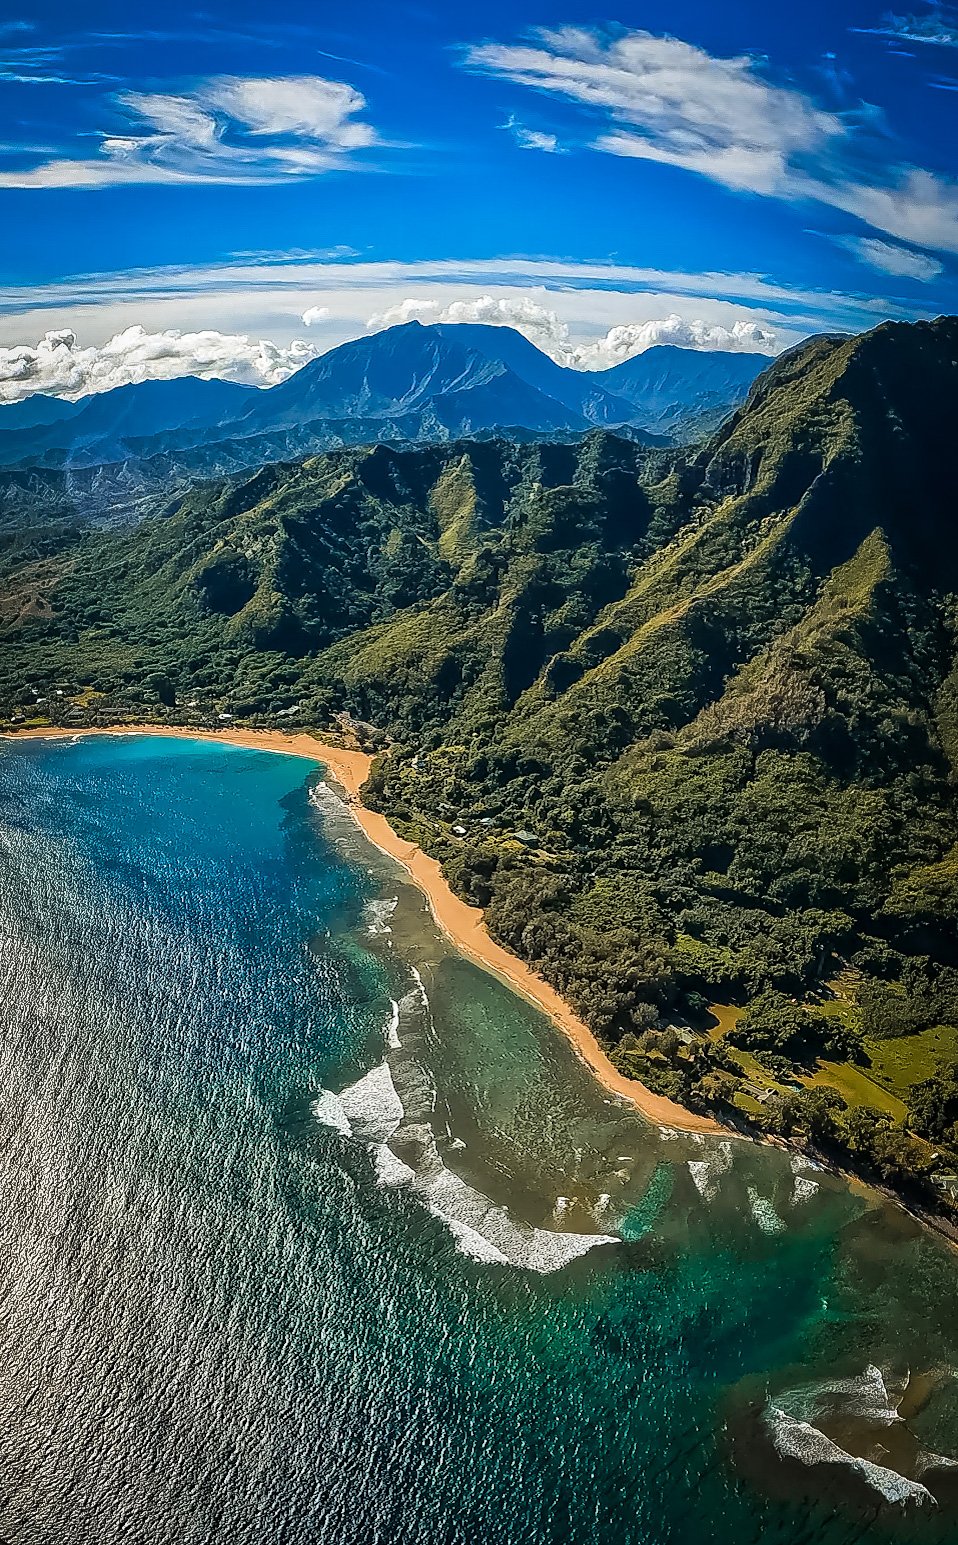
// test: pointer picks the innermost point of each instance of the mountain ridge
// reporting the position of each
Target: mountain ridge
(411, 383)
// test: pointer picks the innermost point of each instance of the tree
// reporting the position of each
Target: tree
(933, 1106)
(812, 1112)
(773, 1023)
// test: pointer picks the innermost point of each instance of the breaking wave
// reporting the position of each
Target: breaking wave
(794, 1439)
(764, 1213)
(392, 1026)
(371, 1112)
(872, 1398)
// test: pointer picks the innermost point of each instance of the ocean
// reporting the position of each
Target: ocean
(312, 1231)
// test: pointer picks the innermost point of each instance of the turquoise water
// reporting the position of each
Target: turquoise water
(312, 1231)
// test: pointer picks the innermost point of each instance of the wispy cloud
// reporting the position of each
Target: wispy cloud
(888, 258)
(938, 27)
(663, 100)
(227, 129)
(532, 139)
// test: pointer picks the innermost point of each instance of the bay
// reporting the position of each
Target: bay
(313, 1231)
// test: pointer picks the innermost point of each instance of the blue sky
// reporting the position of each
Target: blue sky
(735, 175)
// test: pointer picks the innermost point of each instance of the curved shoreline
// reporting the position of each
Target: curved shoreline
(462, 924)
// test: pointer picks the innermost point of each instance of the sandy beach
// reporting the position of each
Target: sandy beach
(462, 924)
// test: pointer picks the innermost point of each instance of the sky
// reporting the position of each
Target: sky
(234, 189)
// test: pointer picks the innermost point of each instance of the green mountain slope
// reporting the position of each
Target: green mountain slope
(716, 693)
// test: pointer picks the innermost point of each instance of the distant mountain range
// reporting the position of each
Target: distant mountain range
(410, 384)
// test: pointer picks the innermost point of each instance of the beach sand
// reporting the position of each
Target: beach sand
(462, 924)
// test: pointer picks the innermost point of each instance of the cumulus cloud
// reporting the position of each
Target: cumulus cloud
(526, 315)
(60, 366)
(619, 343)
(544, 328)
(660, 99)
(903, 262)
(227, 129)
(314, 314)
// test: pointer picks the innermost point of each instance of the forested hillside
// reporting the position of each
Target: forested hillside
(685, 723)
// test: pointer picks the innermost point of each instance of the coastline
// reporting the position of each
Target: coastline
(461, 923)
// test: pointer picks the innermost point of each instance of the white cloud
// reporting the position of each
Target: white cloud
(264, 295)
(228, 129)
(937, 27)
(544, 328)
(61, 366)
(715, 116)
(664, 100)
(890, 259)
(519, 311)
(630, 338)
(532, 139)
(314, 314)
(918, 208)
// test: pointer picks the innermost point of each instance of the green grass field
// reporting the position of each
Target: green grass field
(900, 1063)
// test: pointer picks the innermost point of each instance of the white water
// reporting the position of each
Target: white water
(371, 1112)
(799, 1440)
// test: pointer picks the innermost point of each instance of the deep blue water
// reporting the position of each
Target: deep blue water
(285, 1192)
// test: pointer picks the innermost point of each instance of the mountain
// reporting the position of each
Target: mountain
(38, 409)
(473, 377)
(103, 427)
(674, 391)
(104, 457)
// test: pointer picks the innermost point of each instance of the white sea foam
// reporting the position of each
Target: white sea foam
(799, 1440)
(371, 1111)
(461, 1207)
(470, 1242)
(804, 1189)
(871, 1396)
(376, 915)
(419, 991)
(322, 797)
(373, 1108)
(392, 1027)
(707, 1172)
(329, 1112)
(764, 1213)
(390, 1170)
